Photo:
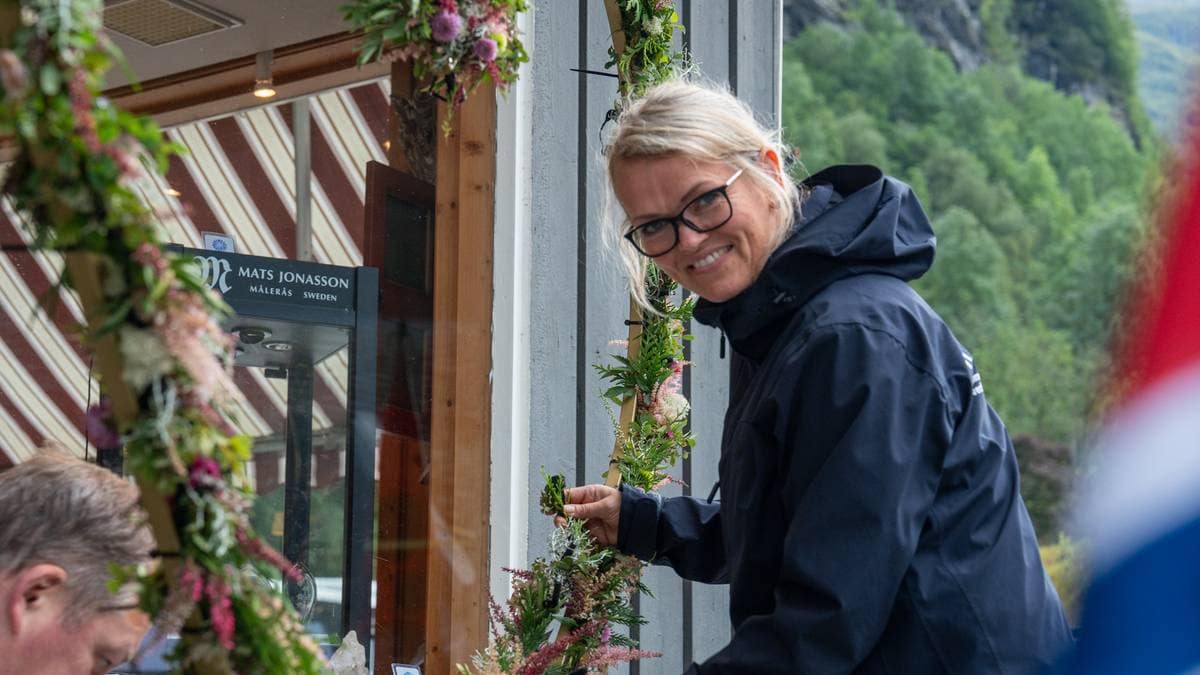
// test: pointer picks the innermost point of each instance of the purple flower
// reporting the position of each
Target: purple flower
(205, 472)
(486, 50)
(445, 26)
(97, 423)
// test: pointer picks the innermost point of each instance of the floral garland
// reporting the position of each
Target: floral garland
(453, 45)
(643, 54)
(162, 358)
(584, 588)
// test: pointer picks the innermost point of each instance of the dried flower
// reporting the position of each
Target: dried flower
(652, 26)
(145, 356)
(671, 407)
(486, 50)
(13, 76)
(445, 26)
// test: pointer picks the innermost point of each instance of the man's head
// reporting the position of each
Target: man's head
(63, 522)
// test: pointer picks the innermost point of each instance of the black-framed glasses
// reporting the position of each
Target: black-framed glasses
(705, 213)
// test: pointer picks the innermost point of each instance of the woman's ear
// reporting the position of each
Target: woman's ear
(770, 160)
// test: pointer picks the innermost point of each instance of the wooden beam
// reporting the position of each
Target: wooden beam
(297, 70)
(461, 425)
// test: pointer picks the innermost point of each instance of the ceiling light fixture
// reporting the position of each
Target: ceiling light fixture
(173, 192)
(264, 86)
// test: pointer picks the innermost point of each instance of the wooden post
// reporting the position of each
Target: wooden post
(461, 422)
(84, 272)
(629, 405)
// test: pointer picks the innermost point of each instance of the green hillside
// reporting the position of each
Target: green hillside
(1168, 36)
(1036, 198)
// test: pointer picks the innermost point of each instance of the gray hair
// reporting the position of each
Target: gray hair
(703, 122)
(60, 510)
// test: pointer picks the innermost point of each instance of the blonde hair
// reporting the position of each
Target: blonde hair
(703, 122)
(57, 509)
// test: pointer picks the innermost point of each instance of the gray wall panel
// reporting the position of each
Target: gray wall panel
(578, 305)
(552, 349)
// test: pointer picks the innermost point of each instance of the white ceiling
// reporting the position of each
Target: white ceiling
(266, 24)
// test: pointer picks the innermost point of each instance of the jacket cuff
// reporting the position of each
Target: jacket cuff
(637, 531)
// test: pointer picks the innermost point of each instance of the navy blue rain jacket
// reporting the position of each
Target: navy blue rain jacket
(870, 519)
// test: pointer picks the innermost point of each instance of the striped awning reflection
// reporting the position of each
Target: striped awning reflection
(237, 178)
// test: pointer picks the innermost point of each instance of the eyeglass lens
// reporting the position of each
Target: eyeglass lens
(706, 212)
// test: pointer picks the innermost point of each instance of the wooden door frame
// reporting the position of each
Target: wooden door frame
(456, 618)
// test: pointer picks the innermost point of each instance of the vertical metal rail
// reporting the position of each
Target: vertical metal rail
(302, 141)
(297, 495)
(359, 514)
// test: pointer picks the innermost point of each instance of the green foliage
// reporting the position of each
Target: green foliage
(1036, 197)
(553, 495)
(657, 436)
(1064, 564)
(648, 27)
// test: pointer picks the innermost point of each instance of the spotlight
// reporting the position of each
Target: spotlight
(252, 336)
(278, 346)
(264, 86)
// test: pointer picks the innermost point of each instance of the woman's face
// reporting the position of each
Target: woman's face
(718, 264)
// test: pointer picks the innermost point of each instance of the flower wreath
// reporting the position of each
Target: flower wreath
(162, 359)
(453, 45)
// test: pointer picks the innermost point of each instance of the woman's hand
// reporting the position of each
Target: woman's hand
(599, 506)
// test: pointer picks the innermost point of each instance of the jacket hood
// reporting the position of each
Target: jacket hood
(855, 221)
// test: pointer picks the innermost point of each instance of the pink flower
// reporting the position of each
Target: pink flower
(220, 609)
(486, 50)
(445, 26)
(149, 255)
(205, 472)
(98, 425)
(608, 655)
(259, 549)
(81, 104)
(126, 164)
(192, 579)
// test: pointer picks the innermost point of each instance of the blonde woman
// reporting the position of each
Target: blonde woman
(870, 519)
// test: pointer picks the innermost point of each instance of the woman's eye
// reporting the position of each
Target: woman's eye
(653, 227)
(706, 200)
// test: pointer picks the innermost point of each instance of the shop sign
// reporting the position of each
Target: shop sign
(290, 282)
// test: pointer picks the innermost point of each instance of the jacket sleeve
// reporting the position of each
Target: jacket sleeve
(862, 434)
(683, 532)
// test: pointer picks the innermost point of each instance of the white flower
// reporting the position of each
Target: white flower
(673, 406)
(653, 26)
(145, 357)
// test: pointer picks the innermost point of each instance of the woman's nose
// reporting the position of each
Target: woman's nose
(689, 238)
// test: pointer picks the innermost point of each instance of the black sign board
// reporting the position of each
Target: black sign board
(275, 280)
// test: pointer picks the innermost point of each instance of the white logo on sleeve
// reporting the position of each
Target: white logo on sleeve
(976, 380)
